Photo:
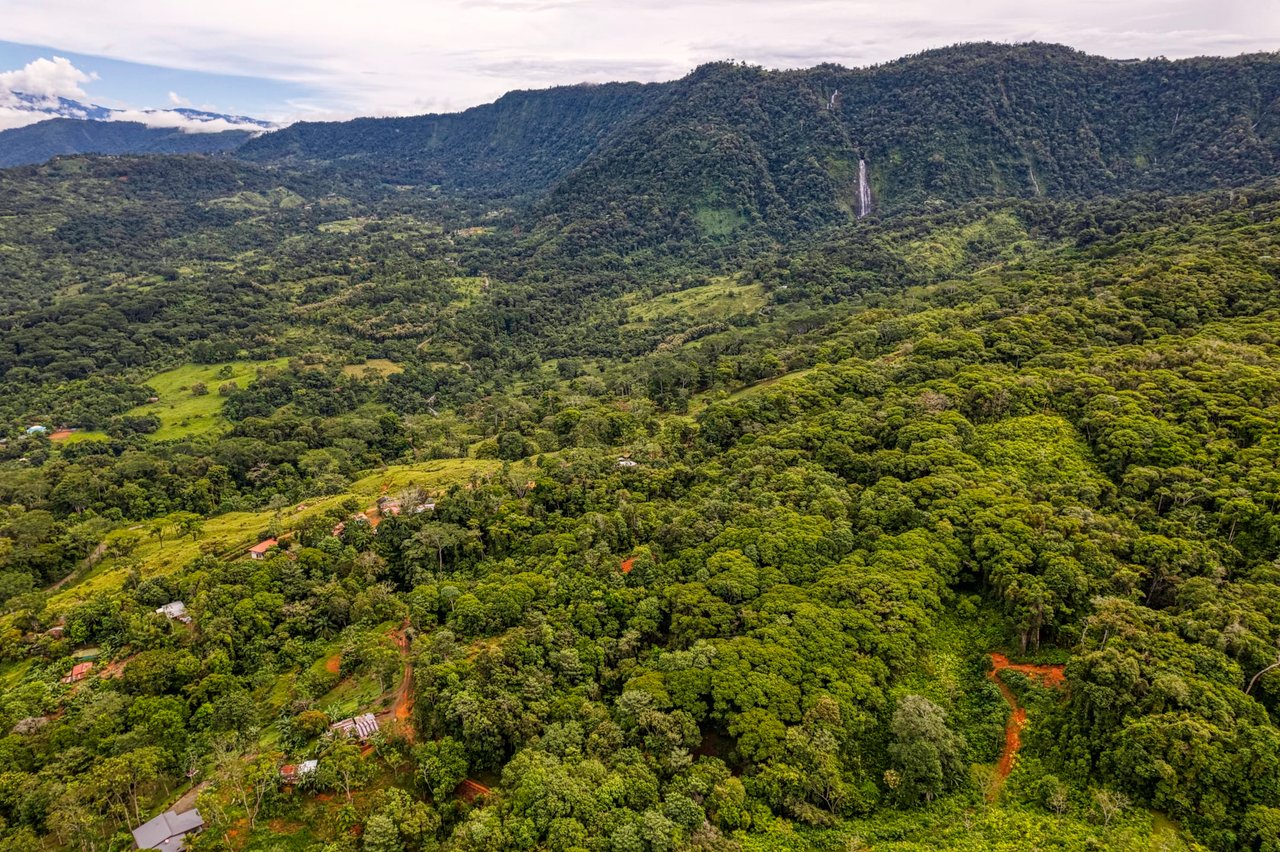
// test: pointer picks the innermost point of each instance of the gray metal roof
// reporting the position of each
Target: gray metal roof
(166, 830)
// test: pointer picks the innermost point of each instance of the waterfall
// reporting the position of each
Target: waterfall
(864, 190)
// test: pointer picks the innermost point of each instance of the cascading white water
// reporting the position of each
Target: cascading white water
(864, 190)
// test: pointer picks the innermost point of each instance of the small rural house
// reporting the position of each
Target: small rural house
(79, 672)
(259, 550)
(292, 773)
(37, 430)
(169, 830)
(360, 727)
(628, 463)
(175, 611)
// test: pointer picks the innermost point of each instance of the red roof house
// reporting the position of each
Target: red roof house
(79, 672)
(259, 550)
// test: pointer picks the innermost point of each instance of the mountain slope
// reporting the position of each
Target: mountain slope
(739, 145)
(36, 143)
(520, 143)
(734, 146)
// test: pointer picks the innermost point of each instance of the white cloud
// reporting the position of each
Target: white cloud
(45, 78)
(410, 56)
(43, 81)
(11, 118)
(187, 124)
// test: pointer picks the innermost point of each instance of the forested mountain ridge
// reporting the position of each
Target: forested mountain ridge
(54, 137)
(734, 146)
(521, 143)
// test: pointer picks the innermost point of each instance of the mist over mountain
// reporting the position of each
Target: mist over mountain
(58, 126)
(36, 143)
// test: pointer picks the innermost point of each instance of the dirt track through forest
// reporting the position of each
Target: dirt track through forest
(1046, 675)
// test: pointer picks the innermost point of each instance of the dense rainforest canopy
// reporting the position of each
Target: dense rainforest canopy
(646, 496)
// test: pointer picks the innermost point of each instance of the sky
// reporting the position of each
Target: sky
(287, 60)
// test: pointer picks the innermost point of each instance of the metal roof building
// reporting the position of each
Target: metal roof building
(168, 831)
(361, 727)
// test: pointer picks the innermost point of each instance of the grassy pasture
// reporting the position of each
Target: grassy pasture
(183, 413)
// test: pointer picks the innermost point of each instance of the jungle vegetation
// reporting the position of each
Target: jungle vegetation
(706, 536)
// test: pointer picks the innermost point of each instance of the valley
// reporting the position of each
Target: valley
(612, 468)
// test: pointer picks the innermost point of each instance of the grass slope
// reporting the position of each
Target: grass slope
(183, 413)
(230, 533)
(720, 300)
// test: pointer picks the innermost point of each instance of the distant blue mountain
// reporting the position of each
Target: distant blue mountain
(56, 107)
(73, 127)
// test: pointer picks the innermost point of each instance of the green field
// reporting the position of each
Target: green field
(183, 413)
(82, 436)
(381, 366)
(698, 304)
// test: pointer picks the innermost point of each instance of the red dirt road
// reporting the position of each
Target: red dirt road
(402, 707)
(1047, 675)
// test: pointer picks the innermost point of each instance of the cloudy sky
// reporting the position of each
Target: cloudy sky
(291, 59)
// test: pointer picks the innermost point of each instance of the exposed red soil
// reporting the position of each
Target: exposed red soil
(628, 564)
(333, 665)
(61, 434)
(401, 708)
(1047, 675)
(115, 669)
(468, 791)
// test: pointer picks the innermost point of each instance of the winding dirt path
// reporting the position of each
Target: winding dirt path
(402, 707)
(85, 564)
(1047, 675)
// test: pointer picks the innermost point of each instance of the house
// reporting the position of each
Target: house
(176, 611)
(428, 506)
(360, 727)
(292, 773)
(169, 830)
(79, 672)
(627, 463)
(37, 430)
(259, 550)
